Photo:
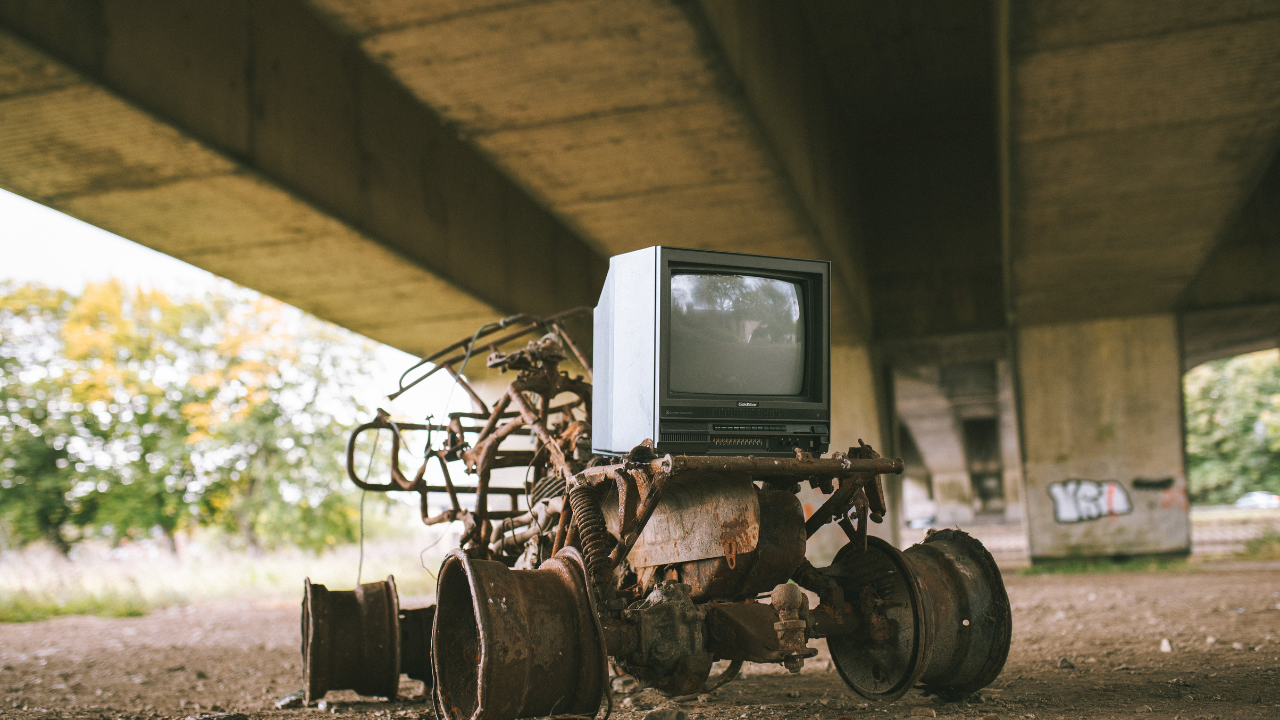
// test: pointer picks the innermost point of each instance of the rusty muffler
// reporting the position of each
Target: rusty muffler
(516, 643)
(937, 614)
(351, 640)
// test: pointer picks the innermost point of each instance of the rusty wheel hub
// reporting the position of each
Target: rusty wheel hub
(937, 614)
(516, 643)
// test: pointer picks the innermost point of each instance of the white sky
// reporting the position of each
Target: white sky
(39, 244)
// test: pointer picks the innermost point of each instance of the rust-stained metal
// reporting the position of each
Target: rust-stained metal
(659, 562)
(416, 625)
(351, 640)
(792, 606)
(513, 644)
(968, 609)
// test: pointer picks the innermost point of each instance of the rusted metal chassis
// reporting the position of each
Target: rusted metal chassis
(640, 486)
(515, 413)
(743, 630)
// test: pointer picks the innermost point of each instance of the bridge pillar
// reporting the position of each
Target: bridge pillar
(1102, 431)
(855, 414)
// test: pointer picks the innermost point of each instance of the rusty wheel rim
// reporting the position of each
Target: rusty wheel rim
(883, 669)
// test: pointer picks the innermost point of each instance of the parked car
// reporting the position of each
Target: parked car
(1259, 500)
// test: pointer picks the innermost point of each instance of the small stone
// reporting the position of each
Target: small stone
(923, 712)
(793, 694)
(647, 698)
(322, 705)
(200, 675)
(1166, 646)
(625, 684)
(1237, 646)
(1210, 640)
(666, 713)
(1142, 709)
(1066, 664)
(292, 700)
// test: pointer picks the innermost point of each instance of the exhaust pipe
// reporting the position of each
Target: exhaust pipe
(516, 643)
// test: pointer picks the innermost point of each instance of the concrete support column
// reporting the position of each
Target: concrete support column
(1101, 404)
(854, 414)
(925, 409)
(1010, 449)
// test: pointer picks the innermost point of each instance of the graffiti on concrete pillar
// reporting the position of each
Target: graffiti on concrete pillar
(1081, 500)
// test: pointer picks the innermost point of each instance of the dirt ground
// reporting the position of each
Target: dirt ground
(1084, 646)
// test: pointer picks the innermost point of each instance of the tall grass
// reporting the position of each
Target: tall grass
(1264, 547)
(36, 582)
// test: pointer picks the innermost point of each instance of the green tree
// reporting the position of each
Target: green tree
(38, 469)
(272, 434)
(1233, 427)
(127, 414)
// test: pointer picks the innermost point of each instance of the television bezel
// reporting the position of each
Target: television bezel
(814, 280)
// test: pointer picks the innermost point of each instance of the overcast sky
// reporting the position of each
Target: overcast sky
(38, 244)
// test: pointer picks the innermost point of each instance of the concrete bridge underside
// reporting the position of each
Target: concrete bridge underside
(1088, 193)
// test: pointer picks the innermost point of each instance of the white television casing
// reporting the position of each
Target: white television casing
(624, 407)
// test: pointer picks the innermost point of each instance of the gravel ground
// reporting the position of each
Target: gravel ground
(1084, 646)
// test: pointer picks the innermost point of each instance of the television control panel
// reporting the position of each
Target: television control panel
(717, 437)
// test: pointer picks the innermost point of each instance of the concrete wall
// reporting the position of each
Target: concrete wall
(855, 415)
(1102, 426)
(1015, 508)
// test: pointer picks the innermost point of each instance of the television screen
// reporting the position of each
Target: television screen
(736, 335)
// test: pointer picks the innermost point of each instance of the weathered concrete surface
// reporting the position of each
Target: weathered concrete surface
(1101, 404)
(925, 409)
(1015, 507)
(254, 141)
(625, 122)
(1136, 132)
(855, 415)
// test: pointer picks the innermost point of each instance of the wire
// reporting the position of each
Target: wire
(423, 562)
(467, 356)
(377, 442)
(360, 567)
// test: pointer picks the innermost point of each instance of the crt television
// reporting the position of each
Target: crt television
(712, 353)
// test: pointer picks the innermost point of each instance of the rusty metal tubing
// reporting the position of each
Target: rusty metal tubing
(516, 643)
(351, 459)
(575, 350)
(531, 419)
(351, 640)
(750, 465)
(534, 324)
(828, 467)
(466, 386)
(834, 507)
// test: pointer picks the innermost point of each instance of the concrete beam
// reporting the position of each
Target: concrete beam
(254, 140)
(1134, 137)
(629, 124)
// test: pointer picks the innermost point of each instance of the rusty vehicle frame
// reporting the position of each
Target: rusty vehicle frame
(573, 605)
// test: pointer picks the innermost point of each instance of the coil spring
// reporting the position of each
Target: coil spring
(593, 535)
